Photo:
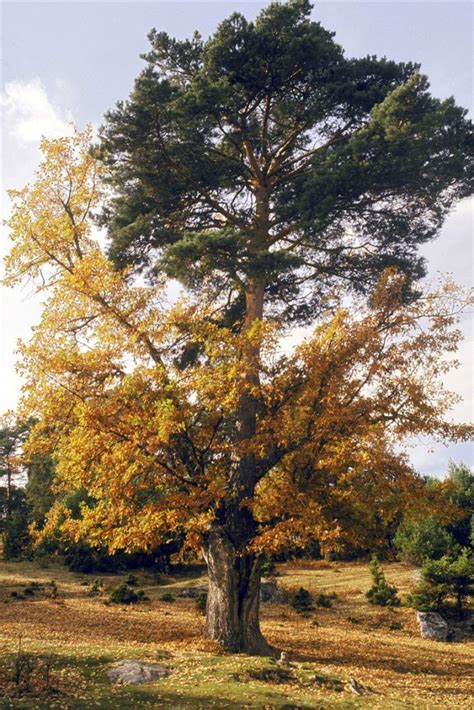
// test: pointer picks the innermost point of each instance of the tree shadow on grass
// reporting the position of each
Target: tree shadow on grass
(81, 682)
(167, 623)
(423, 665)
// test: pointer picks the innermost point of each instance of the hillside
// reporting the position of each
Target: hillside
(79, 637)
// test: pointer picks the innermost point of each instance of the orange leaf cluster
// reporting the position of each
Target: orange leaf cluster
(153, 443)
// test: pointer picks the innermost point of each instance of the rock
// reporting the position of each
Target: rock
(283, 660)
(192, 592)
(432, 625)
(270, 593)
(355, 687)
(134, 672)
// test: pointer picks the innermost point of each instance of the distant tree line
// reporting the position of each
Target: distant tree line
(26, 496)
(439, 525)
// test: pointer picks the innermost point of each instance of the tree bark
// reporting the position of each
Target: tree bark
(233, 601)
(233, 605)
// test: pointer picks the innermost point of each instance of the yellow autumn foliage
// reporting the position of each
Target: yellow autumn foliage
(153, 442)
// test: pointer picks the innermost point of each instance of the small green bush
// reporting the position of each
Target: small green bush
(421, 540)
(323, 600)
(16, 540)
(395, 626)
(158, 578)
(448, 577)
(123, 594)
(381, 593)
(167, 597)
(201, 601)
(302, 601)
(131, 580)
(269, 568)
(96, 588)
(427, 597)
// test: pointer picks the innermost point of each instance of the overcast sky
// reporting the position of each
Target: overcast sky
(69, 62)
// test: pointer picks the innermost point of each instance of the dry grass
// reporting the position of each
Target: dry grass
(381, 649)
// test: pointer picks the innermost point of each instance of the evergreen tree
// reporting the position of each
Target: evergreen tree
(462, 496)
(12, 437)
(381, 593)
(450, 576)
(425, 539)
(38, 489)
(266, 161)
(266, 165)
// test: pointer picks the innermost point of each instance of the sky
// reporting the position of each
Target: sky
(69, 62)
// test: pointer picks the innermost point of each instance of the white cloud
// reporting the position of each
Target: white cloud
(28, 114)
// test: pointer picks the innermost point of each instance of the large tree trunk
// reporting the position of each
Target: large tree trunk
(234, 597)
(234, 574)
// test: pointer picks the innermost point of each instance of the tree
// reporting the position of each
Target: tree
(461, 479)
(381, 593)
(450, 576)
(152, 442)
(265, 166)
(16, 538)
(423, 539)
(447, 528)
(12, 437)
(13, 505)
(38, 489)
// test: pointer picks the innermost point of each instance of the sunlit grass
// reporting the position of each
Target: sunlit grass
(82, 636)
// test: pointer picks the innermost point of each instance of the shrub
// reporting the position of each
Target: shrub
(323, 600)
(167, 597)
(158, 578)
(302, 601)
(427, 597)
(201, 601)
(16, 537)
(96, 588)
(131, 580)
(461, 477)
(269, 568)
(421, 540)
(381, 593)
(395, 626)
(448, 577)
(123, 594)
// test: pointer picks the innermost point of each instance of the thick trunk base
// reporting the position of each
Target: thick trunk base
(233, 603)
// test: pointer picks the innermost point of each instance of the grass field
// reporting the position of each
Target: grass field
(79, 636)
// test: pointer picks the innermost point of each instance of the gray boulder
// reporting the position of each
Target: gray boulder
(135, 672)
(192, 592)
(432, 626)
(270, 592)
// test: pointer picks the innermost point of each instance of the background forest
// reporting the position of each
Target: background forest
(254, 182)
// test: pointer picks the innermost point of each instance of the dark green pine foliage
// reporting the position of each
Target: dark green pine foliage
(462, 479)
(265, 153)
(451, 577)
(302, 601)
(38, 489)
(381, 593)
